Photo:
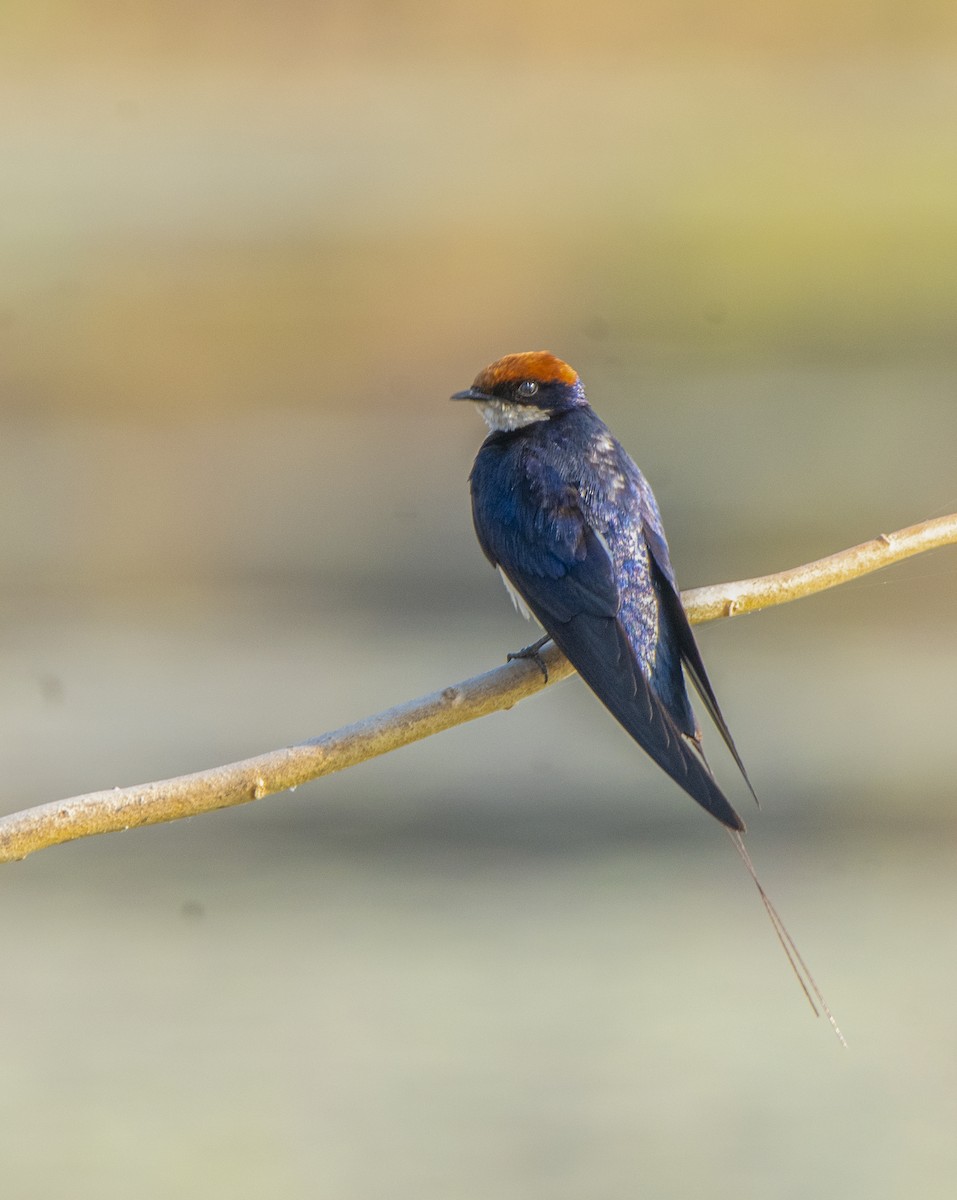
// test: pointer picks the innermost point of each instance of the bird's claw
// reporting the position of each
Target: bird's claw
(532, 652)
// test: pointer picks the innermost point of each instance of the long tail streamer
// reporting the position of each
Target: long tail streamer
(798, 965)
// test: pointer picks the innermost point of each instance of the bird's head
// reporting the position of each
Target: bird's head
(521, 389)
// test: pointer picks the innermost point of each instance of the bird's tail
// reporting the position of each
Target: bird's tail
(800, 968)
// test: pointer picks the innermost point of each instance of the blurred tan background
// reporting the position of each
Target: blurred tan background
(248, 251)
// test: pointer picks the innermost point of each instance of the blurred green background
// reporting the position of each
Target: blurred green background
(248, 251)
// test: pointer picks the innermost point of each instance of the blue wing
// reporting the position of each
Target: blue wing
(537, 531)
(679, 634)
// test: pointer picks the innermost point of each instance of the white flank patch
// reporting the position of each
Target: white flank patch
(603, 541)
(499, 414)
(516, 598)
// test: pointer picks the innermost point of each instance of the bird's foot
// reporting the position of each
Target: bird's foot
(532, 652)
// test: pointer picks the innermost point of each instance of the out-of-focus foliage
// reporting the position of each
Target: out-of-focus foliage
(293, 200)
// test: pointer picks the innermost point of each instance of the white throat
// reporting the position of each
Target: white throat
(499, 414)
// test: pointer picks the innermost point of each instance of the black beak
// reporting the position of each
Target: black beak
(470, 394)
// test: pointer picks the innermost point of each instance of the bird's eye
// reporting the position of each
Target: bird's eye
(526, 389)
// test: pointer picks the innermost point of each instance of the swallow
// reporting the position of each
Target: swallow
(572, 525)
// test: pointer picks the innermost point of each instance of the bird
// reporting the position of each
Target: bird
(563, 512)
(569, 520)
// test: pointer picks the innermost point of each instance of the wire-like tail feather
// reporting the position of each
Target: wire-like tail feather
(798, 965)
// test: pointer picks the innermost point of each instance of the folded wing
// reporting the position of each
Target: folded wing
(564, 571)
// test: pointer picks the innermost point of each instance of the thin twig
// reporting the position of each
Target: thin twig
(238, 783)
(733, 599)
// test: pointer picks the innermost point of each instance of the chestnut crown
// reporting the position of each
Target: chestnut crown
(535, 380)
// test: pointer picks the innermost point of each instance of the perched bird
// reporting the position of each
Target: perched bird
(572, 525)
(570, 521)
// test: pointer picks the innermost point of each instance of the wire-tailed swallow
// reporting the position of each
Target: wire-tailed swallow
(570, 521)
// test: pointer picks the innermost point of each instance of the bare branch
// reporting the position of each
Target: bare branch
(238, 783)
(733, 599)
